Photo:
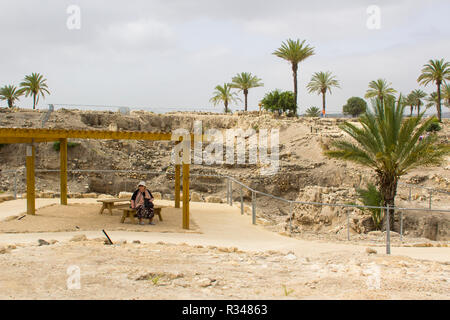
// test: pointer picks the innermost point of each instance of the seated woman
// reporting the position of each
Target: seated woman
(142, 201)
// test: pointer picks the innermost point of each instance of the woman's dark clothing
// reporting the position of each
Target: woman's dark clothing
(143, 211)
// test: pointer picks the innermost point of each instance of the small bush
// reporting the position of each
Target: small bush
(279, 101)
(434, 127)
(57, 145)
(312, 112)
(372, 197)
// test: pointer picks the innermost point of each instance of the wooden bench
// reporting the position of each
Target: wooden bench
(110, 204)
(131, 213)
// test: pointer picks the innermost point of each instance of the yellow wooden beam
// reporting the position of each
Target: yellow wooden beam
(31, 195)
(11, 140)
(63, 171)
(185, 196)
(177, 185)
(56, 134)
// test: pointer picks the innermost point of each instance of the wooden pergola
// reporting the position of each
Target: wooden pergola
(32, 136)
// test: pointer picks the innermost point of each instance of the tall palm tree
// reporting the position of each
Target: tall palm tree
(436, 71)
(245, 81)
(418, 95)
(34, 85)
(321, 82)
(294, 52)
(390, 144)
(224, 94)
(446, 94)
(380, 89)
(10, 94)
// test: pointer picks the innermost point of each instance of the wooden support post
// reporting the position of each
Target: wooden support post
(31, 192)
(185, 196)
(177, 186)
(63, 170)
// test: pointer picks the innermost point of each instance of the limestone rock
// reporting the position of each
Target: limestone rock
(213, 199)
(80, 237)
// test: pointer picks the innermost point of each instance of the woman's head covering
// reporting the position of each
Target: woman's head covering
(142, 183)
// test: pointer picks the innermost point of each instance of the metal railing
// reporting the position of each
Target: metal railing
(229, 180)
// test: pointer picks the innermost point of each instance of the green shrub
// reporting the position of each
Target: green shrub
(57, 145)
(372, 197)
(355, 106)
(434, 127)
(279, 101)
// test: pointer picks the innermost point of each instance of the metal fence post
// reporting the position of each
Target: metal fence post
(401, 225)
(15, 184)
(348, 225)
(253, 207)
(290, 217)
(228, 189)
(388, 231)
(429, 206)
(242, 201)
(231, 192)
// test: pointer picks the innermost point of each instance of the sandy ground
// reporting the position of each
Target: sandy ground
(229, 259)
(85, 216)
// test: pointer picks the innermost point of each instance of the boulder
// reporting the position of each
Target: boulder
(213, 199)
(196, 197)
(157, 195)
(125, 195)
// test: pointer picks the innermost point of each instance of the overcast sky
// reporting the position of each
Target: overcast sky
(172, 53)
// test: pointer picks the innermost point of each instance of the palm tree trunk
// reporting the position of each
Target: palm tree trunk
(323, 104)
(411, 111)
(294, 74)
(439, 101)
(245, 98)
(34, 101)
(10, 104)
(418, 109)
(388, 190)
(226, 106)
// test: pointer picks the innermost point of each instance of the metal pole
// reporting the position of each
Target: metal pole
(429, 206)
(253, 207)
(401, 225)
(15, 185)
(290, 217)
(228, 189)
(388, 232)
(242, 202)
(348, 225)
(231, 193)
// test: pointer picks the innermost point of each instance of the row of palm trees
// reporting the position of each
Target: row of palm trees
(296, 51)
(435, 71)
(34, 85)
(243, 82)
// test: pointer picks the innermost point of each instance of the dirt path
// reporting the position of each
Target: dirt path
(223, 226)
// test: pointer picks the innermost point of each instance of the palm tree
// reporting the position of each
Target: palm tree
(245, 81)
(10, 94)
(390, 144)
(294, 52)
(409, 101)
(224, 94)
(320, 83)
(418, 95)
(380, 89)
(433, 100)
(435, 71)
(446, 94)
(312, 112)
(34, 85)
